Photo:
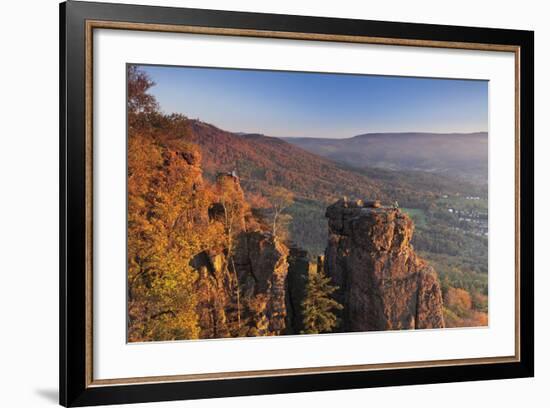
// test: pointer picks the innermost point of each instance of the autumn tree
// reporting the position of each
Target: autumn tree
(460, 308)
(280, 199)
(140, 103)
(318, 304)
(167, 221)
(164, 232)
(233, 207)
(458, 300)
(259, 206)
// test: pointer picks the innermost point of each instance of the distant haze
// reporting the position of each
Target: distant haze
(454, 154)
(320, 105)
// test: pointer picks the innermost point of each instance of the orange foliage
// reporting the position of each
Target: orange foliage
(458, 298)
(459, 309)
(168, 225)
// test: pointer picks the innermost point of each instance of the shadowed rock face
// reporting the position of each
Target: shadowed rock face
(383, 284)
(259, 268)
(297, 278)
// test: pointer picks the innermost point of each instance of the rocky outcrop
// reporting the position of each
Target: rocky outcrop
(261, 265)
(242, 282)
(214, 285)
(243, 294)
(383, 284)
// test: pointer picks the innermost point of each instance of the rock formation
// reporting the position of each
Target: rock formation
(261, 265)
(214, 289)
(383, 283)
(242, 283)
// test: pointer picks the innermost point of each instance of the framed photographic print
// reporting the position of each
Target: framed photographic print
(256, 203)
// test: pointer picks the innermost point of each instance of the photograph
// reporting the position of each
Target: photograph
(257, 202)
(270, 203)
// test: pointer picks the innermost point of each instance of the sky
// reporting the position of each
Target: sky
(299, 104)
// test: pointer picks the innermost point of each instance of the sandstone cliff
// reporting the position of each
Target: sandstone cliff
(261, 265)
(242, 283)
(383, 283)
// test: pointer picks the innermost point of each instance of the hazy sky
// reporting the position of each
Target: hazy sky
(298, 104)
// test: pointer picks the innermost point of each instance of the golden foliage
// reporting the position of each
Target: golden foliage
(458, 299)
(462, 310)
(167, 225)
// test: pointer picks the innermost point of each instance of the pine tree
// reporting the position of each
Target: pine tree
(318, 305)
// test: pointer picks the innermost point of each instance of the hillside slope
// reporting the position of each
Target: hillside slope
(263, 161)
(454, 154)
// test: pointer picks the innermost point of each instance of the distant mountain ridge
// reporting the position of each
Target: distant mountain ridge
(403, 134)
(462, 155)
